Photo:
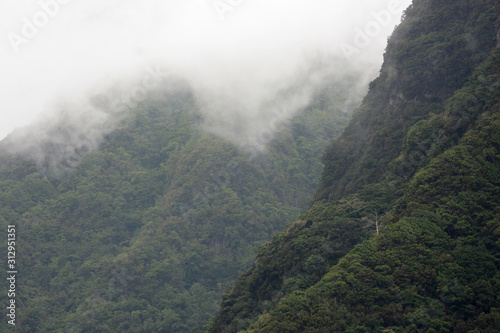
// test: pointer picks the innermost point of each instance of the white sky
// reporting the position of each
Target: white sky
(246, 46)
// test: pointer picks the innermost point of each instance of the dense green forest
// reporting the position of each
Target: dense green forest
(145, 233)
(168, 228)
(403, 233)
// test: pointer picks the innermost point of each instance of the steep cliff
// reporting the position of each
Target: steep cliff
(402, 235)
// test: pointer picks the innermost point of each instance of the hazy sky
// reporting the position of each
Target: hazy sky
(55, 51)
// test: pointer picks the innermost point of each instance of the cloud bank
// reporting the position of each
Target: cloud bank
(246, 61)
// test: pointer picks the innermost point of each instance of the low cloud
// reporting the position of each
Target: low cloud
(247, 62)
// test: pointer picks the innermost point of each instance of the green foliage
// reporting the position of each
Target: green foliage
(430, 55)
(420, 159)
(144, 234)
(419, 274)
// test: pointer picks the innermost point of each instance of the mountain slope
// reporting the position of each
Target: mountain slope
(434, 267)
(430, 55)
(417, 164)
(146, 232)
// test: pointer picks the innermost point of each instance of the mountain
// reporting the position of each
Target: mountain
(403, 232)
(141, 229)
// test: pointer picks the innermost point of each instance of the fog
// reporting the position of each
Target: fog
(247, 62)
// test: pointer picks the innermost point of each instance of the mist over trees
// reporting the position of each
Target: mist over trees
(225, 166)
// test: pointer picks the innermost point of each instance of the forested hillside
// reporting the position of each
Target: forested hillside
(403, 234)
(145, 233)
(146, 228)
